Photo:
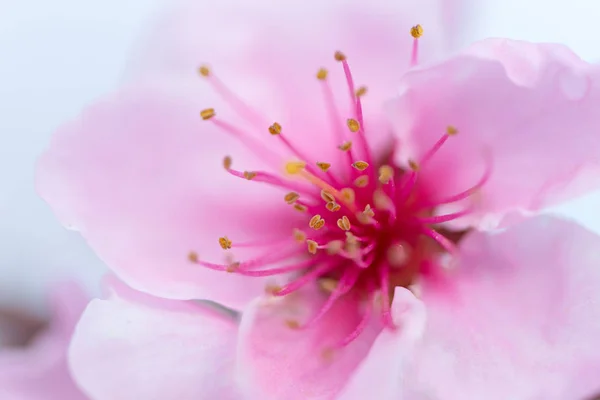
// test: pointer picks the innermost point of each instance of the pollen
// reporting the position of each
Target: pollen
(324, 166)
(346, 146)
(295, 167)
(386, 173)
(328, 197)
(412, 164)
(362, 181)
(328, 285)
(193, 256)
(451, 130)
(322, 74)
(416, 31)
(339, 56)
(227, 161)
(348, 195)
(333, 206)
(316, 222)
(361, 91)
(224, 242)
(300, 207)
(207, 113)
(249, 175)
(312, 246)
(204, 71)
(360, 165)
(344, 223)
(299, 236)
(275, 129)
(353, 125)
(291, 197)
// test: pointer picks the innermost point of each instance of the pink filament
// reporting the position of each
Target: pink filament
(414, 58)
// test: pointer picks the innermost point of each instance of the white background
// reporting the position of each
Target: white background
(58, 55)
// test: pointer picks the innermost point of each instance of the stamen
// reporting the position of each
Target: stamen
(362, 181)
(346, 146)
(360, 165)
(361, 91)
(300, 207)
(295, 167)
(227, 162)
(328, 197)
(333, 206)
(299, 236)
(444, 218)
(316, 222)
(322, 74)
(225, 243)
(328, 285)
(207, 113)
(323, 166)
(310, 276)
(416, 32)
(353, 125)
(275, 129)
(361, 326)
(312, 246)
(348, 195)
(386, 173)
(334, 247)
(291, 197)
(344, 223)
(249, 175)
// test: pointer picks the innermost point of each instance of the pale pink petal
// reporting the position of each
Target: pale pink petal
(518, 319)
(134, 346)
(381, 373)
(530, 110)
(279, 362)
(39, 371)
(141, 178)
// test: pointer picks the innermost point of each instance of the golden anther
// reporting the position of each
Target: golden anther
(386, 173)
(294, 167)
(272, 289)
(334, 247)
(319, 224)
(312, 246)
(361, 91)
(451, 130)
(412, 164)
(332, 206)
(346, 146)
(344, 223)
(339, 56)
(322, 74)
(299, 236)
(207, 113)
(369, 211)
(324, 166)
(224, 242)
(227, 161)
(300, 207)
(328, 197)
(275, 129)
(291, 197)
(249, 175)
(328, 285)
(416, 31)
(363, 219)
(353, 125)
(292, 324)
(204, 70)
(193, 256)
(316, 222)
(348, 195)
(361, 181)
(360, 165)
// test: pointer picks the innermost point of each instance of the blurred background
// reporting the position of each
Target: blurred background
(56, 56)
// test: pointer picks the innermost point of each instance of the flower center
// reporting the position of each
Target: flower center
(369, 225)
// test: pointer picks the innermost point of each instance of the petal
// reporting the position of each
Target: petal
(39, 370)
(522, 307)
(530, 109)
(380, 375)
(139, 177)
(136, 346)
(277, 362)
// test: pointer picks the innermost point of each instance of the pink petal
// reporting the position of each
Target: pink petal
(141, 177)
(519, 318)
(530, 109)
(134, 346)
(39, 370)
(279, 362)
(381, 374)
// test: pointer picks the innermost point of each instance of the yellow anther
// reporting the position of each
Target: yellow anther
(333, 206)
(300, 207)
(291, 197)
(207, 113)
(275, 129)
(227, 161)
(361, 181)
(412, 164)
(334, 247)
(360, 165)
(344, 223)
(353, 125)
(348, 195)
(193, 256)
(346, 146)
(451, 130)
(312, 246)
(319, 225)
(322, 74)
(328, 197)
(249, 175)
(328, 285)
(224, 242)
(416, 31)
(272, 289)
(339, 56)
(324, 166)
(299, 236)
(294, 167)
(386, 173)
(369, 211)
(292, 324)
(361, 91)
(314, 220)
(204, 70)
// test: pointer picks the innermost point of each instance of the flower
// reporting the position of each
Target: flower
(38, 368)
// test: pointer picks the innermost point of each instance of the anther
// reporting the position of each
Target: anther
(300, 207)
(328, 197)
(227, 162)
(361, 181)
(275, 129)
(249, 175)
(451, 130)
(193, 256)
(312, 246)
(344, 223)
(292, 324)
(328, 285)
(207, 113)
(322, 74)
(353, 125)
(416, 31)
(333, 206)
(361, 91)
(323, 166)
(386, 173)
(360, 165)
(339, 56)
(299, 236)
(316, 222)
(224, 242)
(204, 71)
(348, 195)
(295, 167)
(272, 289)
(234, 266)
(334, 247)
(291, 197)
(413, 165)
(369, 211)
(346, 146)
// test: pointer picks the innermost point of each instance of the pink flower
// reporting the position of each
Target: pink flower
(37, 370)
(338, 232)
